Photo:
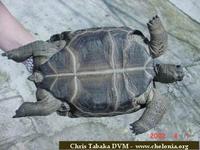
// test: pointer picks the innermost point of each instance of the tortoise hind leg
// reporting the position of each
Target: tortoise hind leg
(64, 110)
(152, 115)
(158, 37)
(45, 105)
(24, 52)
(40, 50)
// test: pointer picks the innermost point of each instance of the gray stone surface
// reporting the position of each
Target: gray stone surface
(190, 8)
(44, 18)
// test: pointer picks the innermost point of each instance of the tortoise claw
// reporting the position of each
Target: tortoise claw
(9, 55)
(15, 116)
(154, 23)
(3, 54)
(137, 128)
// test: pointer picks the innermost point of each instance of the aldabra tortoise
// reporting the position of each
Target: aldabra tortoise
(99, 72)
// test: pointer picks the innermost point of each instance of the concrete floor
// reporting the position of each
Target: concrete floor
(44, 18)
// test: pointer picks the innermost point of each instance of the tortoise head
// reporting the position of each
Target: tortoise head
(168, 73)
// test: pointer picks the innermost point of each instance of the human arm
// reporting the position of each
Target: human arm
(12, 33)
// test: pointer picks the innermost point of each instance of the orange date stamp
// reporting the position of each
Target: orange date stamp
(163, 136)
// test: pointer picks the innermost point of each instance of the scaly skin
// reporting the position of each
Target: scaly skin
(154, 112)
(45, 105)
(158, 37)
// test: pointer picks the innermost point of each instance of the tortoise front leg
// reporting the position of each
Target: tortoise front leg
(158, 37)
(45, 105)
(154, 112)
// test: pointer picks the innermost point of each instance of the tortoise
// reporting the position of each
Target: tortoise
(98, 72)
